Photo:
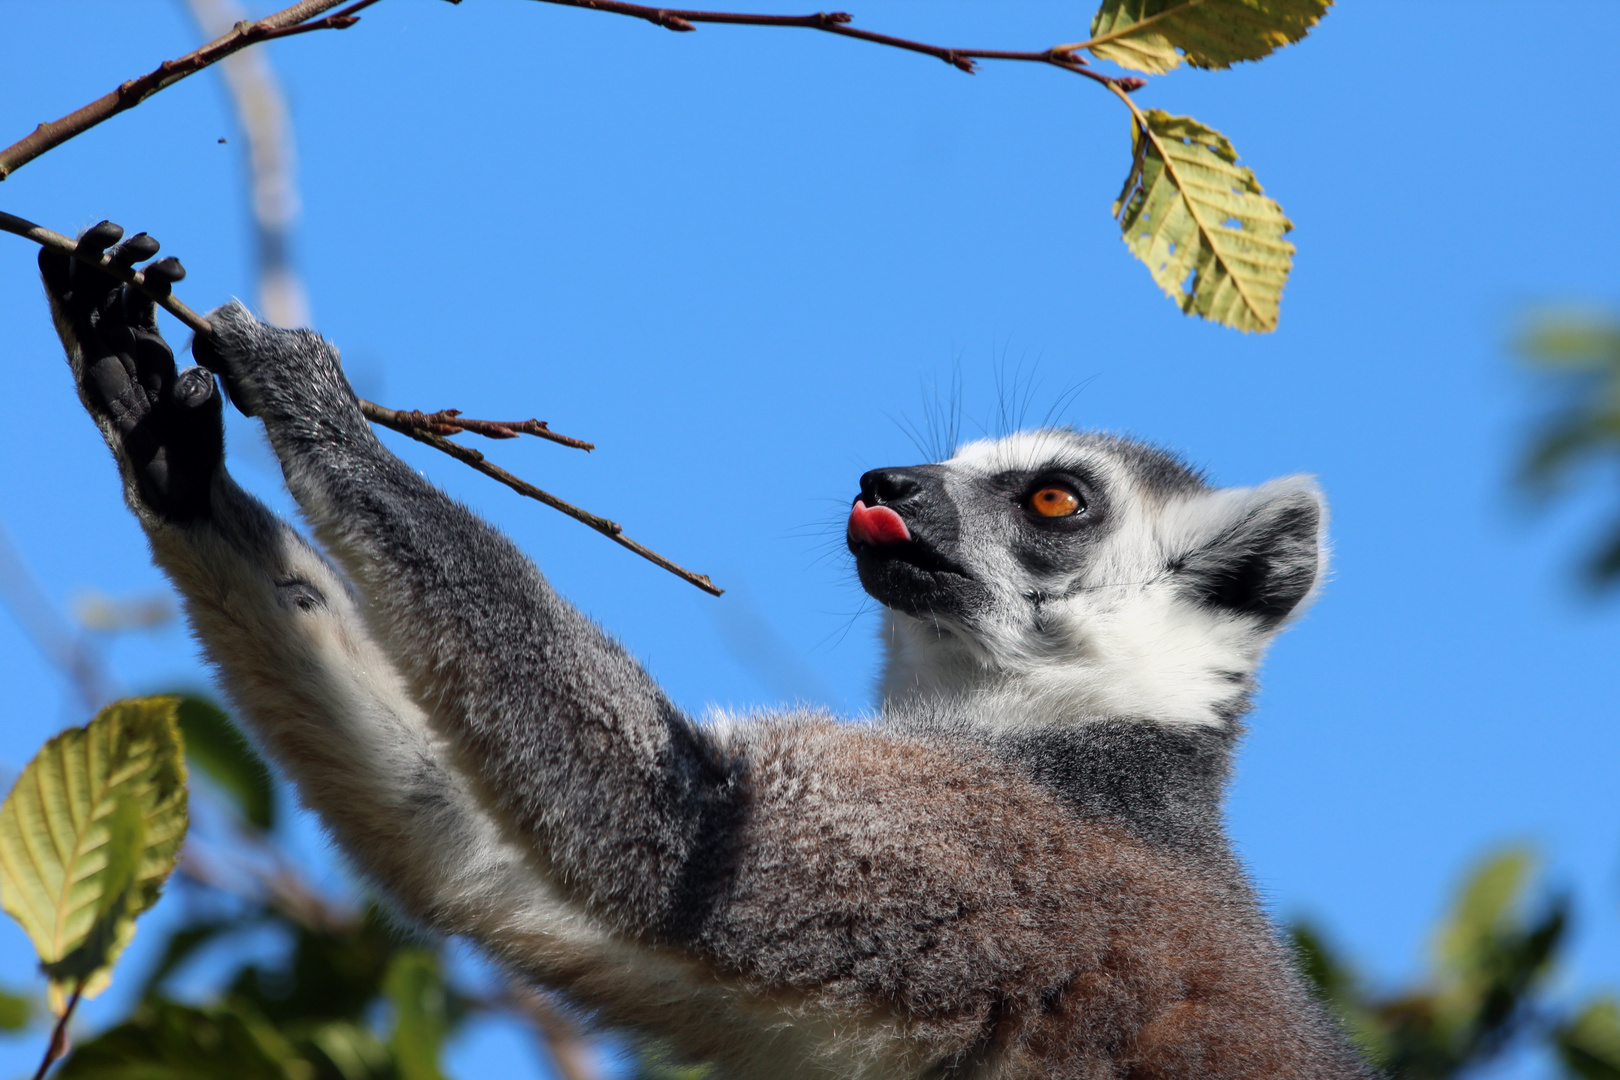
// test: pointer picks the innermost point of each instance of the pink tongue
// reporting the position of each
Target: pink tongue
(876, 525)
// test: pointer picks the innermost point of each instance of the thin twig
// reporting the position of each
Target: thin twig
(451, 422)
(395, 419)
(610, 529)
(69, 652)
(298, 19)
(58, 1046)
(838, 22)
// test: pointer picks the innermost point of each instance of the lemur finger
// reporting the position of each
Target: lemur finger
(84, 296)
(140, 310)
(131, 251)
(165, 272)
(199, 407)
(154, 362)
(56, 268)
(206, 350)
(178, 479)
(194, 388)
(98, 237)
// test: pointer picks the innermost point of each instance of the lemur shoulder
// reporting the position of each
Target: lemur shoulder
(1017, 869)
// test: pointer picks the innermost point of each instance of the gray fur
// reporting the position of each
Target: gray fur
(998, 878)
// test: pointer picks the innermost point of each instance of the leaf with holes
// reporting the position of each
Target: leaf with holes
(1200, 221)
(88, 836)
(1156, 35)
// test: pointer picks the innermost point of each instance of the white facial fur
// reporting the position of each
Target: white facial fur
(1123, 633)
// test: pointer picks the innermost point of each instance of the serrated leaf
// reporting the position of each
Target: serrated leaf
(1202, 224)
(1156, 35)
(90, 833)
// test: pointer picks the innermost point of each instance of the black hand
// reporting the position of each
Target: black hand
(167, 424)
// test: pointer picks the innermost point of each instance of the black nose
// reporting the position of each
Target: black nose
(889, 487)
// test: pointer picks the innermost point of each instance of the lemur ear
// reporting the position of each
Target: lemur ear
(1257, 551)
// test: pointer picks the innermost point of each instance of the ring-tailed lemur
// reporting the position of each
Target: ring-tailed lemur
(1017, 870)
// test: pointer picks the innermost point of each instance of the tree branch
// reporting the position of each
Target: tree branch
(451, 422)
(423, 427)
(610, 529)
(298, 19)
(837, 22)
(301, 18)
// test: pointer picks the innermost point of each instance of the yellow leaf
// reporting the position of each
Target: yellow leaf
(1200, 221)
(89, 834)
(1156, 35)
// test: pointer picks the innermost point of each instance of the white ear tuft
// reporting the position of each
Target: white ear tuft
(1257, 551)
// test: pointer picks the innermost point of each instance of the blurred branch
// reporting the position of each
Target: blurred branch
(564, 1045)
(297, 19)
(281, 888)
(422, 427)
(261, 113)
(67, 651)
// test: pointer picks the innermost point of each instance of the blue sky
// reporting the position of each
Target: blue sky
(743, 262)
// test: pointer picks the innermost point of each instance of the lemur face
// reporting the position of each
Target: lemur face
(1086, 559)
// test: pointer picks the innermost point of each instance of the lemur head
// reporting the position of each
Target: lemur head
(1058, 576)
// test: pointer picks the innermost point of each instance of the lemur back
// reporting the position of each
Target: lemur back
(1016, 870)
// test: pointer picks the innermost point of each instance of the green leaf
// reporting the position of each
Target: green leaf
(1207, 232)
(1484, 906)
(166, 1041)
(351, 1051)
(1156, 35)
(89, 834)
(416, 990)
(1326, 972)
(217, 749)
(1590, 1043)
(16, 1011)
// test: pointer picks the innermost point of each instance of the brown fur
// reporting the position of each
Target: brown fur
(997, 925)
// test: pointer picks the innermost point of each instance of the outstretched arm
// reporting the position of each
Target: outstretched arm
(626, 797)
(625, 800)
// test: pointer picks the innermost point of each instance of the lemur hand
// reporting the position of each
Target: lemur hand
(164, 426)
(290, 377)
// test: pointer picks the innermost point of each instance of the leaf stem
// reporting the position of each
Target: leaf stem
(57, 1048)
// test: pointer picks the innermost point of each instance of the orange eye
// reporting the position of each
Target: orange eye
(1056, 501)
